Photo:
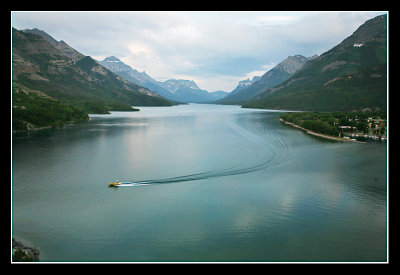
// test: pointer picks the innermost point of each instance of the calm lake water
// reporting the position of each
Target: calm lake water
(208, 183)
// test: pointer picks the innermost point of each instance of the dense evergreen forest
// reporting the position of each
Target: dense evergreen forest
(33, 109)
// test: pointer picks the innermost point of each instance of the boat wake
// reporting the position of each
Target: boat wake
(127, 183)
(263, 151)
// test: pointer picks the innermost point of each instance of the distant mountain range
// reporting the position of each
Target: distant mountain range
(247, 89)
(350, 76)
(132, 75)
(53, 83)
(177, 90)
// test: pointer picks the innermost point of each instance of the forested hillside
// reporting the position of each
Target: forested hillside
(350, 76)
(43, 78)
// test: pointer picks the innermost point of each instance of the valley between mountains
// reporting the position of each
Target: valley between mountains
(53, 84)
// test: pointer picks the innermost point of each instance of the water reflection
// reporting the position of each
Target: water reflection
(237, 185)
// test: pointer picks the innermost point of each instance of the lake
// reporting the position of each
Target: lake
(207, 183)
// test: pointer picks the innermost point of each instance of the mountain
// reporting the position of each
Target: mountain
(187, 91)
(244, 84)
(63, 47)
(45, 73)
(132, 75)
(246, 90)
(37, 63)
(178, 90)
(218, 94)
(174, 85)
(350, 76)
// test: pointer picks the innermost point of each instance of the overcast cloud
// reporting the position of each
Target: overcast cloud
(215, 49)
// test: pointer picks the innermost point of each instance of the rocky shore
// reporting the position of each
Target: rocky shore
(24, 253)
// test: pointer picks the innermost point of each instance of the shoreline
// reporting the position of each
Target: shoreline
(340, 139)
(49, 127)
(21, 252)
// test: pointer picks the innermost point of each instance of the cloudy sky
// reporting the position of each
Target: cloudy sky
(215, 49)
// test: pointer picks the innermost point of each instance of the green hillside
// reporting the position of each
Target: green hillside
(74, 86)
(351, 76)
(33, 109)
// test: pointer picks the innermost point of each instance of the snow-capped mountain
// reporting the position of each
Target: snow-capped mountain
(117, 66)
(174, 85)
(179, 90)
(244, 84)
(187, 90)
(249, 89)
(132, 75)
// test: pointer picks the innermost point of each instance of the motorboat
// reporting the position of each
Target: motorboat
(114, 183)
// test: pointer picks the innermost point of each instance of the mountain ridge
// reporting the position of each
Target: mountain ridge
(244, 84)
(38, 68)
(89, 78)
(350, 76)
(63, 47)
(273, 77)
(132, 75)
(178, 90)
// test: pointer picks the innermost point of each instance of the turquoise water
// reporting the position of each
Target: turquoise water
(209, 183)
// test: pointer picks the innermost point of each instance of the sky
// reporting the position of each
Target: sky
(215, 49)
